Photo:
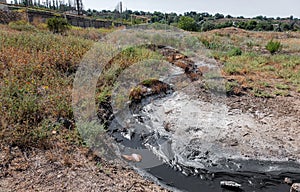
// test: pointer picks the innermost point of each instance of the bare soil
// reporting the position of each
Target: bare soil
(66, 168)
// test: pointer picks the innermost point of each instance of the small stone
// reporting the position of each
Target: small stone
(295, 187)
(177, 57)
(288, 180)
(133, 157)
(230, 185)
(54, 132)
(234, 143)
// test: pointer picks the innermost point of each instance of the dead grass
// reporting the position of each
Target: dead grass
(255, 64)
(36, 81)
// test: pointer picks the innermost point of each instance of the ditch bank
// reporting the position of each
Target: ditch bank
(195, 138)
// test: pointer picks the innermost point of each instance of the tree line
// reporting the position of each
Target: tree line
(60, 5)
(193, 21)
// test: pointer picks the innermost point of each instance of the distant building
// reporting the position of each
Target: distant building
(2, 1)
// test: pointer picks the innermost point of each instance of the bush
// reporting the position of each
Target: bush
(21, 25)
(58, 25)
(187, 23)
(273, 46)
(207, 26)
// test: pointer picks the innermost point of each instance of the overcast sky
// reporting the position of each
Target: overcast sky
(248, 8)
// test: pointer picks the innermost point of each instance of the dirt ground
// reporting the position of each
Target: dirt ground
(74, 169)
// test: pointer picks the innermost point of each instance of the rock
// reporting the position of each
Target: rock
(230, 185)
(295, 187)
(288, 180)
(133, 157)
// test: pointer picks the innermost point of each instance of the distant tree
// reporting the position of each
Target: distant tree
(264, 26)
(224, 25)
(251, 25)
(187, 23)
(260, 17)
(136, 13)
(218, 16)
(207, 26)
(242, 25)
(285, 26)
(228, 16)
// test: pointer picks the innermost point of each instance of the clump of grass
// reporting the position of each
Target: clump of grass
(21, 25)
(211, 44)
(150, 82)
(234, 69)
(273, 46)
(233, 88)
(283, 93)
(282, 86)
(261, 93)
(89, 33)
(235, 51)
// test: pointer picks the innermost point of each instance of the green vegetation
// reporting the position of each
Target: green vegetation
(58, 25)
(187, 23)
(21, 25)
(36, 76)
(232, 88)
(37, 70)
(244, 60)
(273, 46)
(235, 51)
(282, 86)
(127, 57)
(191, 21)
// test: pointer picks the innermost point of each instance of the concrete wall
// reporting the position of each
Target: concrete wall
(72, 19)
(8, 16)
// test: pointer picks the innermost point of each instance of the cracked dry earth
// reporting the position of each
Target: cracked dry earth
(74, 169)
(275, 134)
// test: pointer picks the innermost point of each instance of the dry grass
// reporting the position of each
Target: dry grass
(256, 69)
(36, 72)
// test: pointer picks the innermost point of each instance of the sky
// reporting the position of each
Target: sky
(247, 8)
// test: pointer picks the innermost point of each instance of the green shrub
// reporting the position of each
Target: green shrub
(273, 46)
(58, 25)
(21, 25)
(282, 86)
(235, 51)
(207, 26)
(187, 23)
(232, 88)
